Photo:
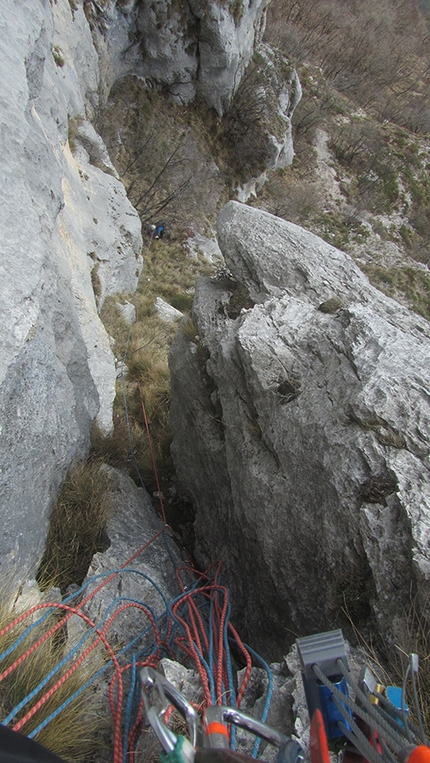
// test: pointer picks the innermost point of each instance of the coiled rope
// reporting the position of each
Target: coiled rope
(196, 625)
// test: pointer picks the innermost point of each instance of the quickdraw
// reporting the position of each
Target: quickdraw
(366, 723)
(209, 740)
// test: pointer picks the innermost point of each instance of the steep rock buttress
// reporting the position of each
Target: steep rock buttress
(64, 220)
(301, 426)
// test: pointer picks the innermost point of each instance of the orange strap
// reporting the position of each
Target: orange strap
(217, 728)
(318, 740)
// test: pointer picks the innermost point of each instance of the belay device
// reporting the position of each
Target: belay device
(367, 722)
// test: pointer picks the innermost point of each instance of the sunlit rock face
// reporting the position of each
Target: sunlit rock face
(301, 427)
(68, 237)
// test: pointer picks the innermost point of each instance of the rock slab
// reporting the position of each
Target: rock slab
(301, 422)
(149, 578)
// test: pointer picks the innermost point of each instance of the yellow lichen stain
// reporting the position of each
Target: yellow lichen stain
(32, 333)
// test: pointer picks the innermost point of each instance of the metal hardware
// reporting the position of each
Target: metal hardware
(151, 680)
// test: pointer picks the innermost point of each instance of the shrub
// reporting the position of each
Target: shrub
(363, 147)
(416, 639)
(411, 284)
(182, 302)
(374, 54)
(254, 115)
(96, 282)
(239, 300)
(74, 124)
(57, 55)
(236, 9)
(331, 306)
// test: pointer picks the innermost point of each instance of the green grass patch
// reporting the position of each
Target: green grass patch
(170, 271)
(115, 325)
(339, 229)
(182, 302)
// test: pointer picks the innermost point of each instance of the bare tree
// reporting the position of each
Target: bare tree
(373, 52)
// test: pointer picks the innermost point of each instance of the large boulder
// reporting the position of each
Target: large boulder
(301, 432)
(68, 236)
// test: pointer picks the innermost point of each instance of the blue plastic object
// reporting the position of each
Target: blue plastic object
(394, 694)
(331, 714)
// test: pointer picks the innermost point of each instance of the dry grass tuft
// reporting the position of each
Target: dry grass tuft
(189, 328)
(111, 449)
(389, 662)
(77, 526)
(416, 639)
(75, 733)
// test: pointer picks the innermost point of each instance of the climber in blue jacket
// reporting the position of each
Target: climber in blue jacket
(159, 230)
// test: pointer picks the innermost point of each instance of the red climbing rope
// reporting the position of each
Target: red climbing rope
(202, 638)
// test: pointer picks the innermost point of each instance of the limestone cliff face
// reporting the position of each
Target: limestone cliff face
(301, 428)
(69, 236)
(200, 47)
(211, 49)
(65, 224)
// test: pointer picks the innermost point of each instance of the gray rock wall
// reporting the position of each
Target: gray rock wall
(62, 212)
(69, 236)
(228, 34)
(201, 47)
(301, 433)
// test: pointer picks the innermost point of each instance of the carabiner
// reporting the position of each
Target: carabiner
(289, 751)
(151, 680)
